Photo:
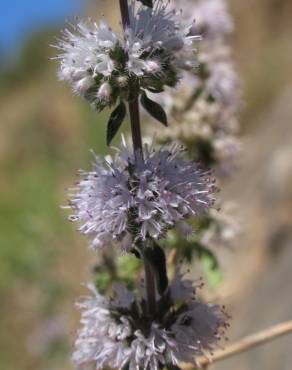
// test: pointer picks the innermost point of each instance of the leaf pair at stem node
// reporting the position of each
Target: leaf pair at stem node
(118, 115)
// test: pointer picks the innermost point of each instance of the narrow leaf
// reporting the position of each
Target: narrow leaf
(116, 119)
(155, 91)
(154, 109)
(205, 253)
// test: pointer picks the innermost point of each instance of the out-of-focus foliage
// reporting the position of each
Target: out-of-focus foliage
(32, 60)
(123, 268)
(45, 136)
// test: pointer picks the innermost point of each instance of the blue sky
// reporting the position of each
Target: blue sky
(20, 18)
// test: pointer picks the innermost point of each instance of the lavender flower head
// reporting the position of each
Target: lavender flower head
(118, 332)
(131, 200)
(102, 67)
(212, 17)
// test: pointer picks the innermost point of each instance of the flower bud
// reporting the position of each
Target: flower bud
(84, 85)
(104, 92)
(152, 66)
(122, 81)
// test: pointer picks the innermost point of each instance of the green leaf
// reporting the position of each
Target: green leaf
(211, 266)
(154, 109)
(148, 3)
(157, 259)
(102, 281)
(116, 119)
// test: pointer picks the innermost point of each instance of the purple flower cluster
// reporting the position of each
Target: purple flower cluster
(116, 332)
(102, 67)
(131, 199)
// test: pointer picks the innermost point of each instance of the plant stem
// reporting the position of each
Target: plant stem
(125, 12)
(247, 343)
(136, 126)
(137, 145)
(150, 287)
(133, 105)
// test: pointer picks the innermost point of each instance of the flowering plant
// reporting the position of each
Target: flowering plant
(133, 200)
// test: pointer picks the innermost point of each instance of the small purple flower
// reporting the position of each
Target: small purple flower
(133, 199)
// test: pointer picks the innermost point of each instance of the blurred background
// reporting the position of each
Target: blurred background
(46, 134)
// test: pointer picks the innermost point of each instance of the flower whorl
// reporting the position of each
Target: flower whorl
(153, 52)
(133, 199)
(116, 333)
